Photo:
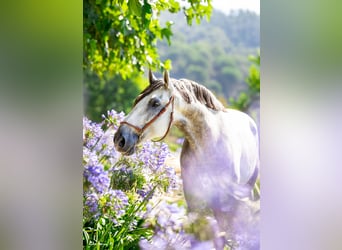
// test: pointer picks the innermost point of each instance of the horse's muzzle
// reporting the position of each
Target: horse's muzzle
(125, 140)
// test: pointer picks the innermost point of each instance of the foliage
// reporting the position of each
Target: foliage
(102, 94)
(247, 98)
(120, 36)
(117, 189)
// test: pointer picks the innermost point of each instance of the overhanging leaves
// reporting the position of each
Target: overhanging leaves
(120, 36)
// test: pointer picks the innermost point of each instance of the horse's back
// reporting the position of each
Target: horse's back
(241, 134)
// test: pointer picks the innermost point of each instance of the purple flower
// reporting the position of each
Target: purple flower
(105, 146)
(114, 118)
(202, 245)
(92, 202)
(118, 201)
(90, 157)
(174, 240)
(161, 155)
(92, 132)
(156, 243)
(119, 196)
(146, 154)
(173, 179)
(147, 190)
(98, 178)
(153, 155)
(169, 217)
(142, 193)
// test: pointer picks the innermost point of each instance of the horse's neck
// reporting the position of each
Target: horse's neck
(198, 125)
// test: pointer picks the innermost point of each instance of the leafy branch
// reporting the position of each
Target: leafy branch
(120, 36)
(252, 94)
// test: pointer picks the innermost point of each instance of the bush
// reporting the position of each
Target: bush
(117, 189)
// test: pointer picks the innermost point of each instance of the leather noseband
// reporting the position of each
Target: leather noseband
(162, 111)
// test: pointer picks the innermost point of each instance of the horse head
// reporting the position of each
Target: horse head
(151, 116)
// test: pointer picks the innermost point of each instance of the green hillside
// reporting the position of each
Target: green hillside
(214, 53)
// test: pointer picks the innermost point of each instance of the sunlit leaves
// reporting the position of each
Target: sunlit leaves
(166, 32)
(135, 7)
(167, 64)
(197, 10)
(253, 79)
(146, 13)
(245, 99)
(120, 36)
(242, 102)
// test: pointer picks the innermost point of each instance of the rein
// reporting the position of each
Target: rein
(162, 111)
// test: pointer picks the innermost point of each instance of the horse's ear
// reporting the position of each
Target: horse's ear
(151, 77)
(166, 79)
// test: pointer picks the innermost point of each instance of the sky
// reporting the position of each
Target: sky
(228, 5)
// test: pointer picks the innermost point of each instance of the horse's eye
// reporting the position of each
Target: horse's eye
(154, 103)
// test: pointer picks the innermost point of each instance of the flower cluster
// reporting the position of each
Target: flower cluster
(167, 221)
(97, 177)
(172, 228)
(117, 189)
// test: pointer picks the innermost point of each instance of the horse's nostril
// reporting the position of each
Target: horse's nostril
(125, 140)
(121, 143)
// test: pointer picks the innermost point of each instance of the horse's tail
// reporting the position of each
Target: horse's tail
(246, 191)
(252, 184)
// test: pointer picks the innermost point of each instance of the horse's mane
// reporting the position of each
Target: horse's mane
(189, 90)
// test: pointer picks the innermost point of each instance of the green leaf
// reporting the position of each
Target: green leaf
(174, 6)
(167, 33)
(146, 13)
(168, 64)
(135, 7)
(86, 236)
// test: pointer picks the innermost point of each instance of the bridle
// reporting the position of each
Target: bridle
(162, 111)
